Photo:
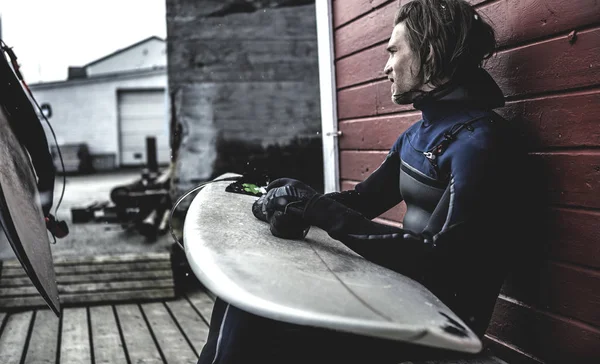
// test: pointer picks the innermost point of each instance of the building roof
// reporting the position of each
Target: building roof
(119, 51)
(100, 78)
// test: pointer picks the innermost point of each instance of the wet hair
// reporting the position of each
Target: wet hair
(449, 38)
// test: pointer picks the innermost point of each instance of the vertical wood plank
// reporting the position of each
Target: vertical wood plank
(138, 341)
(75, 340)
(171, 340)
(106, 341)
(191, 323)
(44, 339)
(203, 303)
(14, 335)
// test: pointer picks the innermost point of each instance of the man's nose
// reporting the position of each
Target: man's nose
(387, 69)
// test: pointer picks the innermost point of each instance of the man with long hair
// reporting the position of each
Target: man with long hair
(452, 170)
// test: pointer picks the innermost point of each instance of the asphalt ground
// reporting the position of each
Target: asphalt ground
(94, 238)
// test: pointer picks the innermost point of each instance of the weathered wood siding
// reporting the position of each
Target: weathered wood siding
(548, 311)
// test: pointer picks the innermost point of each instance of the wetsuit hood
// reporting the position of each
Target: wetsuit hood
(477, 91)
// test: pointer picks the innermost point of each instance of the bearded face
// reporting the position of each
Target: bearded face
(402, 68)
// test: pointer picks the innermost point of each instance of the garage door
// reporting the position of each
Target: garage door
(142, 114)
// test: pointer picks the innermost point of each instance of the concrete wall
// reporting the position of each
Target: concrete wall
(86, 110)
(148, 55)
(244, 88)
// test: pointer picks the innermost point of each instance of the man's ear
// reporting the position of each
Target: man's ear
(430, 60)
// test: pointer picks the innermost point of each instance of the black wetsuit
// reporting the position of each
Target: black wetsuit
(452, 169)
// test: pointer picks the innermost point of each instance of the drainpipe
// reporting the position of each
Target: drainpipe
(327, 87)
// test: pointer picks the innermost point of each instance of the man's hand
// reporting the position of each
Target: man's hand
(303, 190)
(282, 207)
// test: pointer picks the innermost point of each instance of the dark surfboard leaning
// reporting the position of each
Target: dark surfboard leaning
(27, 180)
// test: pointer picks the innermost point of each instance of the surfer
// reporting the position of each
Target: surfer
(456, 170)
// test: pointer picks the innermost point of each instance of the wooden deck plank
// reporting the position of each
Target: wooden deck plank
(171, 340)
(73, 299)
(14, 336)
(203, 303)
(43, 343)
(90, 287)
(101, 259)
(100, 268)
(96, 277)
(75, 340)
(140, 295)
(106, 341)
(138, 341)
(192, 324)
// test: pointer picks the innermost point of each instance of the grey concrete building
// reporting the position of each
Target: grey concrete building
(244, 88)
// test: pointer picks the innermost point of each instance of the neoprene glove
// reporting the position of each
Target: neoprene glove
(304, 191)
(282, 207)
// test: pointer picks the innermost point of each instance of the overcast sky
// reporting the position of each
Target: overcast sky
(48, 36)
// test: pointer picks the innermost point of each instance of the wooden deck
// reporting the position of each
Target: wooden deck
(170, 331)
(166, 332)
(95, 279)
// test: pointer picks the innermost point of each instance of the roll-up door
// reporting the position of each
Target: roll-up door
(142, 113)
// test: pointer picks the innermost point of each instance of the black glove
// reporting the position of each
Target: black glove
(304, 191)
(282, 208)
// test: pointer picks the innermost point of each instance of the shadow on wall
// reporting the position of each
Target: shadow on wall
(301, 158)
(530, 224)
(534, 199)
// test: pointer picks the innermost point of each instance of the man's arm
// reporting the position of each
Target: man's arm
(462, 213)
(379, 243)
(378, 193)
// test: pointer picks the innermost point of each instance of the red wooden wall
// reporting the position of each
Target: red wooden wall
(549, 312)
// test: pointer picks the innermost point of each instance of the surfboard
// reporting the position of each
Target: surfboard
(21, 214)
(316, 281)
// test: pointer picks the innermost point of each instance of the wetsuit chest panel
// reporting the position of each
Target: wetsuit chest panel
(421, 195)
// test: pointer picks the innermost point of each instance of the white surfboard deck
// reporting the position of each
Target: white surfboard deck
(316, 281)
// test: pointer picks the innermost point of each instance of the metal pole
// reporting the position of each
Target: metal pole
(151, 159)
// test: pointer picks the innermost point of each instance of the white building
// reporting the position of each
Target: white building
(114, 103)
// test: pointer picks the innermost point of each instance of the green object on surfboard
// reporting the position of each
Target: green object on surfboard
(251, 188)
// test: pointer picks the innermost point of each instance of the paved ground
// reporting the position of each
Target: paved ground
(94, 238)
